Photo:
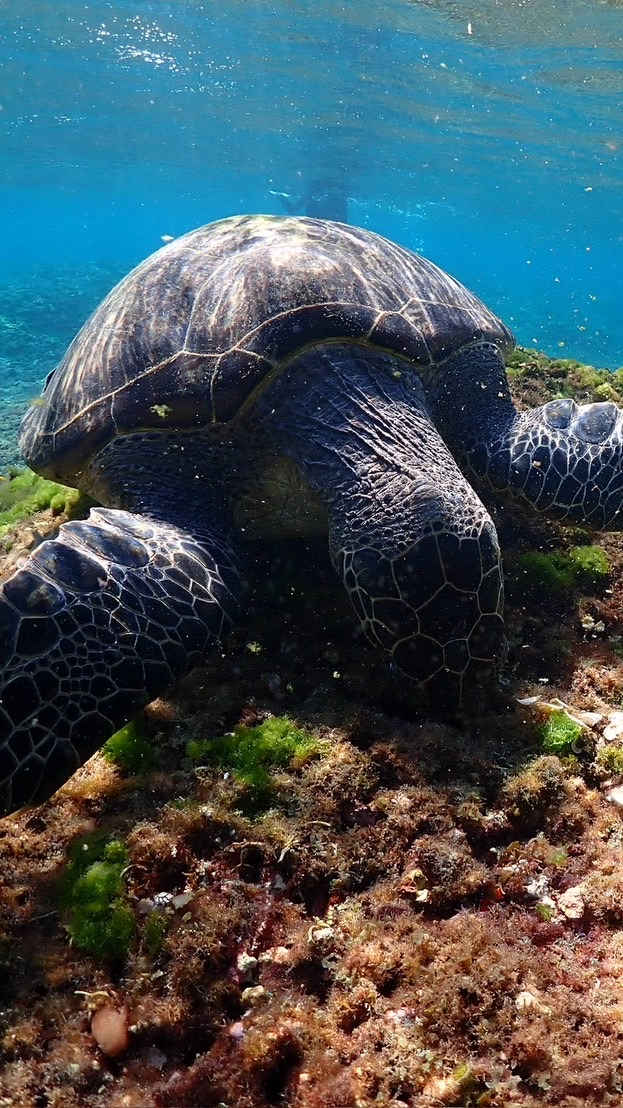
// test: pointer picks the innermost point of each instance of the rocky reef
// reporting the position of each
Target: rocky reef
(344, 901)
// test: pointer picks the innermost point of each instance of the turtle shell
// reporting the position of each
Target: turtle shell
(190, 335)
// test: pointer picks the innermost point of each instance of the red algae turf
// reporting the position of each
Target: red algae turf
(424, 911)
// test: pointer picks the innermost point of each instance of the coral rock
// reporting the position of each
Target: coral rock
(571, 903)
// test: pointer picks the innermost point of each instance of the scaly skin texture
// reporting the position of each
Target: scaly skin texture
(93, 626)
(563, 459)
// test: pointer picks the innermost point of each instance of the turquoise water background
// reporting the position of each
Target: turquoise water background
(487, 135)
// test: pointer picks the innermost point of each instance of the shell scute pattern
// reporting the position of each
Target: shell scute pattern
(196, 328)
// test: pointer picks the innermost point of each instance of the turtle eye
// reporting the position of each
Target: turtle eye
(48, 379)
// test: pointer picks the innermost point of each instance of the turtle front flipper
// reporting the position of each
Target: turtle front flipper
(564, 459)
(414, 545)
(94, 625)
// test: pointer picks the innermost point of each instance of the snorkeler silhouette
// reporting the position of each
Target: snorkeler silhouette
(324, 199)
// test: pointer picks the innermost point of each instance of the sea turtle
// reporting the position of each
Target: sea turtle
(273, 375)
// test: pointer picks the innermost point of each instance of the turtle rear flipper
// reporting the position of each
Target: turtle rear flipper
(94, 625)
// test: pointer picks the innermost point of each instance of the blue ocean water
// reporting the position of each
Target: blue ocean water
(487, 135)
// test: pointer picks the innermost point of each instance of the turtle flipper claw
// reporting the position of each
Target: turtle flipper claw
(94, 625)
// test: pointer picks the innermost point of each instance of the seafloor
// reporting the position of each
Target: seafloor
(410, 910)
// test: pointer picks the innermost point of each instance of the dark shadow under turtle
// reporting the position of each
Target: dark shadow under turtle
(269, 376)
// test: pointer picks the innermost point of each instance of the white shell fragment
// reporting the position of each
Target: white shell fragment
(615, 796)
(527, 1001)
(584, 719)
(614, 727)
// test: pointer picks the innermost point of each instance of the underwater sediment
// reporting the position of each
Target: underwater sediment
(337, 903)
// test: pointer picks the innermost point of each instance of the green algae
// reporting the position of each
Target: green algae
(611, 758)
(154, 933)
(93, 897)
(24, 493)
(559, 733)
(129, 750)
(557, 571)
(251, 753)
(565, 377)
(547, 571)
(590, 565)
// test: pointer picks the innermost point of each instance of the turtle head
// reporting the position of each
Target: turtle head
(435, 608)
(413, 544)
